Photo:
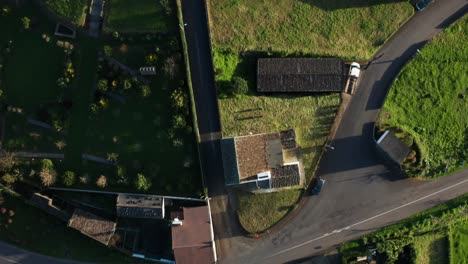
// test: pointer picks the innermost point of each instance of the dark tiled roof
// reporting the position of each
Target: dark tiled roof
(393, 146)
(92, 225)
(228, 152)
(300, 75)
(140, 206)
(191, 241)
(285, 176)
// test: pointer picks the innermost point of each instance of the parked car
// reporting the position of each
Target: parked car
(354, 70)
(318, 186)
(422, 4)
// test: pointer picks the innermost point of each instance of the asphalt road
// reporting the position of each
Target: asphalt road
(361, 193)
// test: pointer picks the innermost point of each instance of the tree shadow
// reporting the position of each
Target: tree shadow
(330, 5)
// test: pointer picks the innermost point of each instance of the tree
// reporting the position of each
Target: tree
(68, 178)
(239, 86)
(26, 22)
(7, 162)
(145, 90)
(151, 59)
(127, 84)
(8, 178)
(179, 121)
(47, 164)
(102, 85)
(142, 183)
(101, 181)
(178, 99)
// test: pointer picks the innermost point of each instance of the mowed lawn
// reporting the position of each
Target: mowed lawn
(459, 244)
(351, 29)
(33, 66)
(136, 16)
(429, 101)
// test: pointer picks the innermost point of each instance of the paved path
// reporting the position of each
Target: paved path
(361, 193)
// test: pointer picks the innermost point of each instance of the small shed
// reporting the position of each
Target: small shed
(393, 146)
(93, 226)
(140, 206)
(300, 75)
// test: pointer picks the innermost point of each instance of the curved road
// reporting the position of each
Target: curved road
(361, 193)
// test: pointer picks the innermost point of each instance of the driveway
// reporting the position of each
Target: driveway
(361, 194)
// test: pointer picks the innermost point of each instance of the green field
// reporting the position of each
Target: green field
(33, 229)
(258, 212)
(138, 16)
(428, 104)
(459, 243)
(73, 11)
(352, 29)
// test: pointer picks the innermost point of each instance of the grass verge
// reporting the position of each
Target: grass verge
(459, 244)
(259, 212)
(427, 104)
(421, 232)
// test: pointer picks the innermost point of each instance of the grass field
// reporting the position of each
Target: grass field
(428, 101)
(432, 248)
(33, 229)
(258, 212)
(73, 11)
(459, 244)
(138, 16)
(351, 29)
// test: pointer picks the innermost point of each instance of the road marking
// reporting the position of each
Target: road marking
(368, 219)
(9, 260)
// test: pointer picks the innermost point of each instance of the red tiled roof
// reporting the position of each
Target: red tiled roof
(191, 241)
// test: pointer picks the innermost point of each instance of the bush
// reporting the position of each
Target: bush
(47, 164)
(127, 84)
(68, 178)
(26, 22)
(142, 183)
(103, 85)
(145, 90)
(122, 175)
(8, 178)
(48, 177)
(7, 162)
(179, 99)
(179, 121)
(107, 50)
(101, 181)
(239, 86)
(151, 59)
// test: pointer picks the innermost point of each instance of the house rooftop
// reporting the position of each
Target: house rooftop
(300, 75)
(192, 241)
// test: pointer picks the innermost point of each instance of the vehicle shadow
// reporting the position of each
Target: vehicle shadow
(343, 4)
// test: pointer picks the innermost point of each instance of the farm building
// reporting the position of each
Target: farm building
(300, 75)
(192, 236)
(140, 206)
(263, 162)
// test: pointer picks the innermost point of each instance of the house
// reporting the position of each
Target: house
(263, 162)
(92, 226)
(394, 148)
(140, 206)
(192, 236)
(300, 75)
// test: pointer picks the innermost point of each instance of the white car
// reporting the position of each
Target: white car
(355, 70)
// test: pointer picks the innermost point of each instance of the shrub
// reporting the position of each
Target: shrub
(151, 59)
(178, 99)
(48, 177)
(84, 178)
(170, 67)
(239, 86)
(102, 85)
(127, 84)
(47, 164)
(145, 90)
(107, 50)
(8, 178)
(101, 181)
(122, 175)
(166, 4)
(7, 162)
(142, 183)
(68, 178)
(179, 121)
(26, 22)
